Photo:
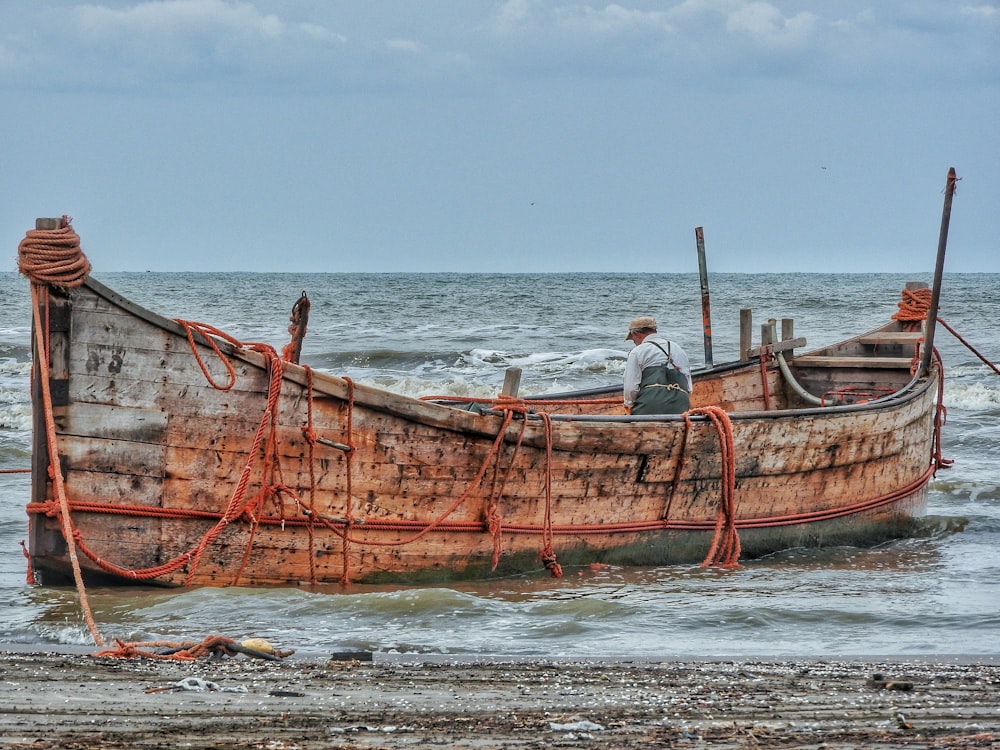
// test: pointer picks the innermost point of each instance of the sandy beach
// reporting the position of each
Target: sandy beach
(76, 700)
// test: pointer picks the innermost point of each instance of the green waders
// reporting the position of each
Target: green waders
(662, 389)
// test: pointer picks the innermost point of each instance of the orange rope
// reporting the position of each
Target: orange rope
(345, 577)
(534, 529)
(183, 651)
(30, 576)
(493, 518)
(725, 549)
(765, 357)
(940, 417)
(53, 256)
(55, 469)
(913, 307)
(236, 507)
(970, 347)
(510, 406)
(430, 526)
(548, 553)
(913, 310)
(15, 471)
(309, 432)
(189, 328)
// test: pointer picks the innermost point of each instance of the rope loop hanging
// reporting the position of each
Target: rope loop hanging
(726, 548)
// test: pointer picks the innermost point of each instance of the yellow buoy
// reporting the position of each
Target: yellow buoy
(258, 644)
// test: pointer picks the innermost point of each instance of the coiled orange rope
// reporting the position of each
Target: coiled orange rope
(913, 310)
(53, 256)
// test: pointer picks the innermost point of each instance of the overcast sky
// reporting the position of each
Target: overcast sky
(464, 135)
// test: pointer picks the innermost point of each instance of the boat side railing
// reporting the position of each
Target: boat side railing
(916, 385)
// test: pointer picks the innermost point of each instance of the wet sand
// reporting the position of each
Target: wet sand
(75, 700)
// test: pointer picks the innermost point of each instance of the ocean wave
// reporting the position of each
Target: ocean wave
(17, 363)
(476, 373)
(15, 411)
(977, 396)
(11, 344)
(961, 490)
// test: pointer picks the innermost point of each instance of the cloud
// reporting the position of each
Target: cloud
(232, 45)
(512, 15)
(612, 20)
(409, 46)
(767, 26)
(703, 39)
(989, 13)
(173, 41)
(200, 26)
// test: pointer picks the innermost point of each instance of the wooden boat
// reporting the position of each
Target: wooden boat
(171, 453)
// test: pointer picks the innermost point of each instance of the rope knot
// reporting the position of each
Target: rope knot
(53, 256)
(511, 403)
(913, 306)
(549, 561)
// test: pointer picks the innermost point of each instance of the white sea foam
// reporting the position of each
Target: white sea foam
(980, 396)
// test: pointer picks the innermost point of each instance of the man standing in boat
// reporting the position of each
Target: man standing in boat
(657, 373)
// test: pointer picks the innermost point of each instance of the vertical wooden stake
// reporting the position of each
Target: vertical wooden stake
(949, 192)
(746, 332)
(511, 382)
(787, 329)
(767, 332)
(706, 306)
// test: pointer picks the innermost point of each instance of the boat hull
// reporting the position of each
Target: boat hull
(189, 459)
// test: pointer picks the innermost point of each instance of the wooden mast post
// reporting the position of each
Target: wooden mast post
(949, 193)
(706, 306)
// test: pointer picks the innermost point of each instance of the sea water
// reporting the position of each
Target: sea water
(430, 334)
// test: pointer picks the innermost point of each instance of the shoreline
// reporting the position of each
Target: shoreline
(65, 698)
(959, 658)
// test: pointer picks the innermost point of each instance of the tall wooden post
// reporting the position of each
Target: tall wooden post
(706, 306)
(746, 333)
(932, 312)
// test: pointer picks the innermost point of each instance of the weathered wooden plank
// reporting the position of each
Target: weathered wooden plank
(134, 424)
(778, 346)
(112, 456)
(892, 337)
(84, 485)
(847, 361)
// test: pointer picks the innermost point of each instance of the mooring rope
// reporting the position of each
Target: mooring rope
(726, 547)
(54, 257)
